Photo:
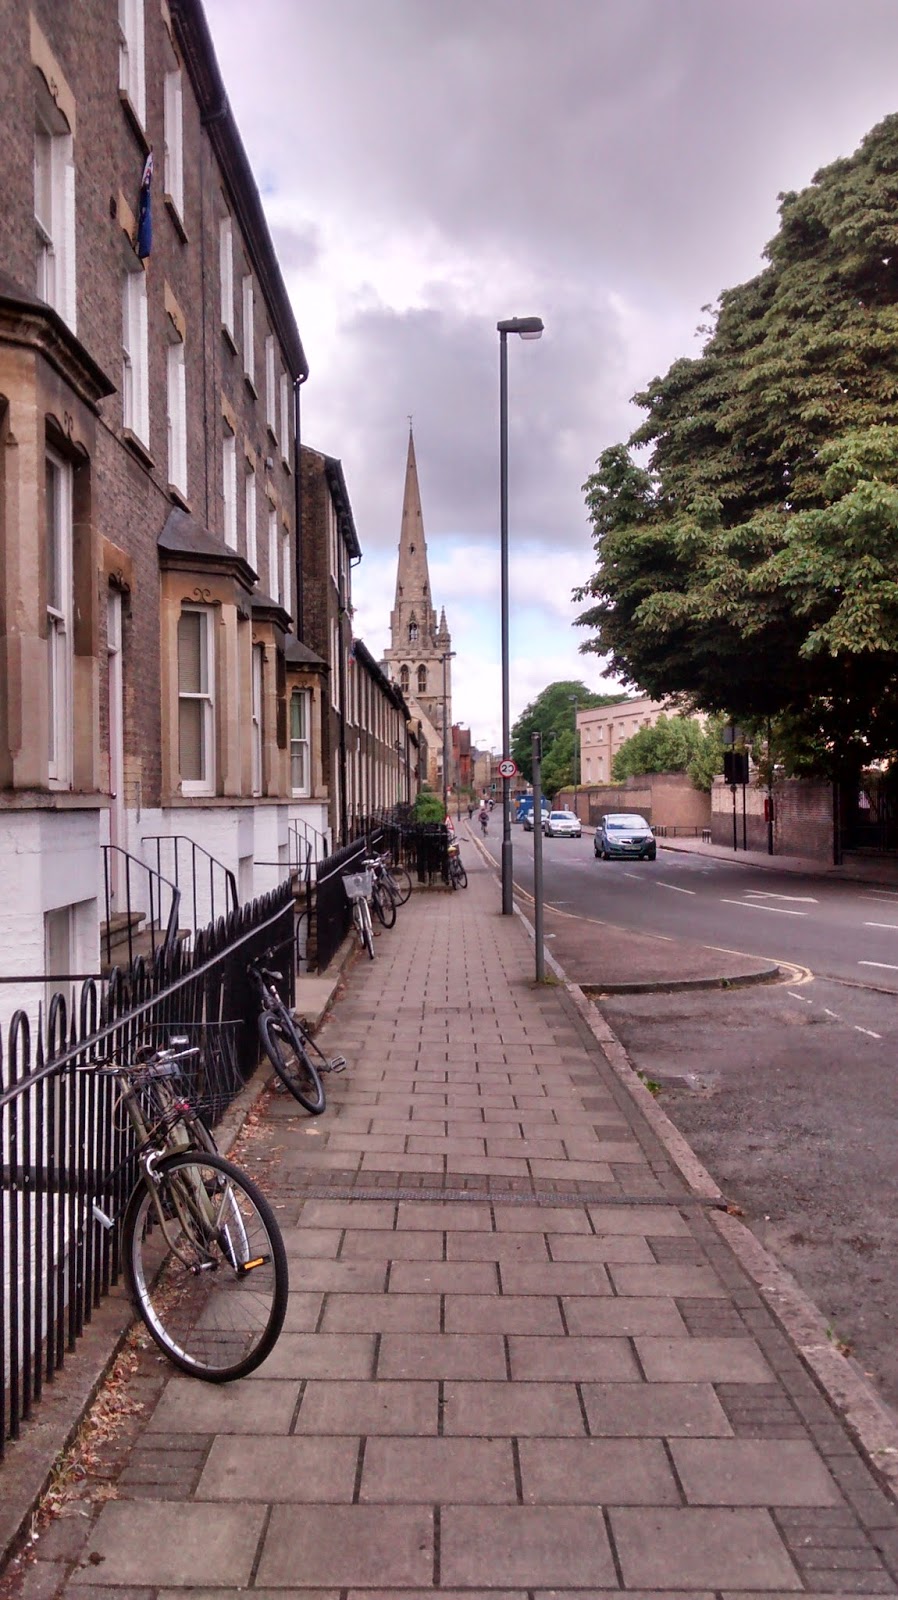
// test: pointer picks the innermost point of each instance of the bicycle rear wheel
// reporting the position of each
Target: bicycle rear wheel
(284, 1047)
(457, 875)
(401, 883)
(384, 904)
(211, 1285)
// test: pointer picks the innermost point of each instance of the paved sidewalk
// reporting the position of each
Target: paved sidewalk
(854, 869)
(520, 1358)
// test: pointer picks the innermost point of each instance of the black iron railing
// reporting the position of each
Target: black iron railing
(66, 1153)
(208, 889)
(142, 907)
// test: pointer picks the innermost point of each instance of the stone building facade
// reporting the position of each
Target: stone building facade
(152, 677)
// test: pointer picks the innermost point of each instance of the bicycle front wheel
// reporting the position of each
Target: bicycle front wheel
(291, 1061)
(363, 924)
(384, 904)
(206, 1266)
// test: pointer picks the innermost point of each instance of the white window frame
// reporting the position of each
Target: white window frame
(335, 664)
(132, 56)
(249, 347)
(54, 208)
(273, 574)
(59, 581)
(229, 488)
(249, 501)
(270, 386)
(256, 714)
(300, 748)
(206, 696)
(176, 398)
(173, 125)
(286, 430)
(226, 272)
(135, 354)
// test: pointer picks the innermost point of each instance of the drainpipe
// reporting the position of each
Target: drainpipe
(297, 494)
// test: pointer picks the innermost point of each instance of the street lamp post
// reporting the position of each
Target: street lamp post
(526, 328)
(446, 656)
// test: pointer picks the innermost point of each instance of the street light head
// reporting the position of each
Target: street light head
(525, 327)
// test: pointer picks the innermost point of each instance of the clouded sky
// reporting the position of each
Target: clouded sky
(431, 166)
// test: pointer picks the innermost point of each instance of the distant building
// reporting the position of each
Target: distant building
(417, 658)
(603, 729)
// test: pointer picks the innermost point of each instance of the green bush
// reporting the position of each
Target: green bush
(428, 808)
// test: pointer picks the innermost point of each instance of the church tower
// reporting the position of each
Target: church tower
(418, 642)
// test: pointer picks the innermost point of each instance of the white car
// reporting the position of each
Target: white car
(561, 825)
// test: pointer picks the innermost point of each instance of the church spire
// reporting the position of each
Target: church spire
(412, 575)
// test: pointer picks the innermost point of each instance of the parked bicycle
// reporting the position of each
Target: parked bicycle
(458, 878)
(358, 888)
(203, 1255)
(395, 879)
(298, 1061)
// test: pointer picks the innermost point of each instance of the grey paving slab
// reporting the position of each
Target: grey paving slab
(348, 1546)
(496, 1247)
(445, 1355)
(541, 1219)
(371, 1313)
(319, 1355)
(348, 1276)
(353, 1407)
(571, 1359)
(381, 1244)
(253, 1405)
(311, 1243)
(303, 1309)
(348, 1214)
(688, 1547)
(549, 1545)
(444, 1277)
(623, 1472)
(512, 1410)
(446, 1470)
(714, 1360)
(619, 1316)
(630, 1248)
(275, 1469)
(753, 1472)
(158, 1543)
(660, 1410)
(556, 1277)
(445, 1215)
(506, 1313)
(647, 1220)
(665, 1280)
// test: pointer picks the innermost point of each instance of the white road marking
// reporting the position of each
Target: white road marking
(632, 875)
(803, 997)
(754, 905)
(886, 964)
(831, 1013)
(868, 1031)
(767, 894)
(892, 925)
(675, 886)
(880, 894)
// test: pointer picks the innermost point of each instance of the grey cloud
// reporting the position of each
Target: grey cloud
(443, 367)
(299, 248)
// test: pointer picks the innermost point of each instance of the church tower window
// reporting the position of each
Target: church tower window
(422, 680)
(403, 679)
(413, 633)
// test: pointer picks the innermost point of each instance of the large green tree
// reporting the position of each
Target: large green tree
(552, 715)
(750, 564)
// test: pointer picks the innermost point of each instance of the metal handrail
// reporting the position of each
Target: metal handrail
(310, 848)
(217, 871)
(155, 880)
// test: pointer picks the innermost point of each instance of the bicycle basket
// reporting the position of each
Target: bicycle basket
(357, 883)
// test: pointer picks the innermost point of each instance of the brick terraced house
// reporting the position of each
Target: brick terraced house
(154, 677)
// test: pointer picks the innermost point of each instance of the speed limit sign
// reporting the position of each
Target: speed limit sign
(507, 768)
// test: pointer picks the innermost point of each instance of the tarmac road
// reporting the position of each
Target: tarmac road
(837, 929)
(786, 1092)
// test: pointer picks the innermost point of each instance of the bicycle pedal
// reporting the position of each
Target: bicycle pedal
(335, 1064)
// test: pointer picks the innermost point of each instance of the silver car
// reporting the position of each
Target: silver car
(562, 825)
